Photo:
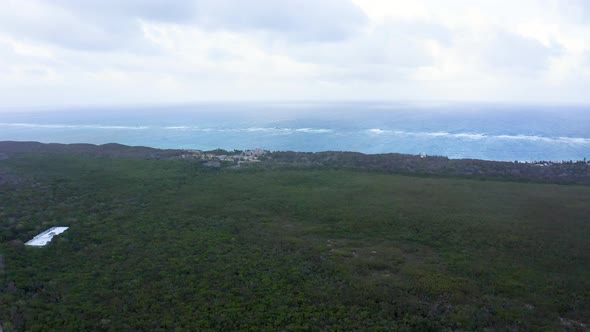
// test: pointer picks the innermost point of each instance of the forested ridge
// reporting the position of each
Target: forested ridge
(174, 245)
(560, 172)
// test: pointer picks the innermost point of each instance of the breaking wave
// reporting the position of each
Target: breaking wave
(275, 130)
(65, 126)
(308, 130)
(191, 128)
(479, 136)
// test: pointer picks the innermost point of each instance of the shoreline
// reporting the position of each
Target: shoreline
(176, 149)
(565, 172)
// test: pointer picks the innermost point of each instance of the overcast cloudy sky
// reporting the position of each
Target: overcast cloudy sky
(69, 52)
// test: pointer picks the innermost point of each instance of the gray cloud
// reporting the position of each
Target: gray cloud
(81, 25)
(390, 50)
(511, 52)
(579, 9)
(389, 45)
(298, 20)
(114, 24)
(182, 49)
(110, 10)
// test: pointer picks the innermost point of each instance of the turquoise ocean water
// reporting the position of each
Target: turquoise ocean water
(482, 131)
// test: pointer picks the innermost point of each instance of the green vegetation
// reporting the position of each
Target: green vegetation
(172, 245)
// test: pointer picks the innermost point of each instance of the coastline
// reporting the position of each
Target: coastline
(565, 172)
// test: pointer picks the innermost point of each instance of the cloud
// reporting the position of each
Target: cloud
(110, 10)
(517, 54)
(300, 20)
(48, 23)
(92, 51)
(400, 44)
(109, 24)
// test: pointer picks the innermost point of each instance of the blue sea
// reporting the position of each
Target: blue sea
(482, 131)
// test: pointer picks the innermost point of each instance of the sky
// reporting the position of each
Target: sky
(95, 52)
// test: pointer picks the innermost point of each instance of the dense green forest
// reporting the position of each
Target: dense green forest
(160, 245)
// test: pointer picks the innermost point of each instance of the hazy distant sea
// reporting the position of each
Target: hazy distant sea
(482, 131)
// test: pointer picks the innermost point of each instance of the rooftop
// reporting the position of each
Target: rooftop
(43, 238)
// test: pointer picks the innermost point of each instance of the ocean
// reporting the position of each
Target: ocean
(480, 131)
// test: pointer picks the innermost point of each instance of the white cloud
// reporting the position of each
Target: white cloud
(71, 52)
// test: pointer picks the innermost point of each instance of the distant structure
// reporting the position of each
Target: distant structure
(215, 164)
(45, 237)
(254, 153)
(238, 158)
